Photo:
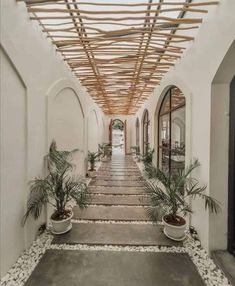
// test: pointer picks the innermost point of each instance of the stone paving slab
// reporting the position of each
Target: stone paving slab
(111, 213)
(119, 173)
(115, 234)
(117, 183)
(119, 167)
(118, 178)
(119, 200)
(117, 190)
(110, 268)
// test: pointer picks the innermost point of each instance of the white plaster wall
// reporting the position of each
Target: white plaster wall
(93, 132)
(194, 74)
(25, 130)
(13, 162)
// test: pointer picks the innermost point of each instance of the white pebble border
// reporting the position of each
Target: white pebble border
(24, 266)
(113, 221)
(121, 195)
(26, 263)
(116, 206)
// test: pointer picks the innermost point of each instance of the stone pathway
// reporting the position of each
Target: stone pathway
(113, 243)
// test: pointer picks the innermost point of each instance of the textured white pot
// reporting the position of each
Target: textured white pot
(61, 226)
(174, 232)
(92, 174)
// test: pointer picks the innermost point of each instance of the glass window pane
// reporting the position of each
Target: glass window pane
(164, 141)
(178, 139)
(166, 104)
(172, 131)
(177, 98)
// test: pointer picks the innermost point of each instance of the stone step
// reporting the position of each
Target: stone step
(119, 165)
(117, 183)
(117, 190)
(118, 173)
(123, 213)
(119, 200)
(117, 178)
(114, 268)
(115, 234)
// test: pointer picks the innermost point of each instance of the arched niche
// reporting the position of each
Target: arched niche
(92, 132)
(65, 121)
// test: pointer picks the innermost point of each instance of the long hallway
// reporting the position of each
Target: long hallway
(112, 242)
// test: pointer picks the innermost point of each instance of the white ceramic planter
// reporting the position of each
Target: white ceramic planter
(61, 226)
(174, 232)
(92, 174)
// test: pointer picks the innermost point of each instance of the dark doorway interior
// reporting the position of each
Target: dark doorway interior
(231, 179)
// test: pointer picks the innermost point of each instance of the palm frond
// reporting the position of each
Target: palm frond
(178, 185)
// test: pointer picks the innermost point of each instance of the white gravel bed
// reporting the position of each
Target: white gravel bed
(121, 195)
(118, 248)
(116, 206)
(113, 221)
(26, 263)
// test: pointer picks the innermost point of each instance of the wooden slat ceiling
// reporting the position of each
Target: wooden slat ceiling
(119, 50)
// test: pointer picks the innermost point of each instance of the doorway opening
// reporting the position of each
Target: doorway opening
(118, 137)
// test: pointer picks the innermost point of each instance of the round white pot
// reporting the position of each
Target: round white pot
(61, 226)
(174, 232)
(92, 174)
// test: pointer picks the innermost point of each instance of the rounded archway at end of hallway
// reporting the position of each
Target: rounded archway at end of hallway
(117, 136)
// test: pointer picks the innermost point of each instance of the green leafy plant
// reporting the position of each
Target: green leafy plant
(104, 149)
(118, 125)
(58, 187)
(169, 193)
(92, 158)
(147, 157)
(136, 149)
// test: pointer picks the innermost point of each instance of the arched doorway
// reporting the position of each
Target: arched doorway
(171, 131)
(146, 135)
(137, 132)
(118, 137)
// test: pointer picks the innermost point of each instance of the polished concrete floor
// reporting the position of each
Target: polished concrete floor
(116, 217)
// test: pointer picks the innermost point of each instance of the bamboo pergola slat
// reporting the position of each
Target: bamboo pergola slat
(119, 50)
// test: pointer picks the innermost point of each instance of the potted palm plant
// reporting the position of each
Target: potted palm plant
(92, 158)
(136, 152)
(169, 194)
(104, 150)
(58, 188)
(147, 157)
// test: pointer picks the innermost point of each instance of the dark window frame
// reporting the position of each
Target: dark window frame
(146, 124)
(160, 114)
(231, 175)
